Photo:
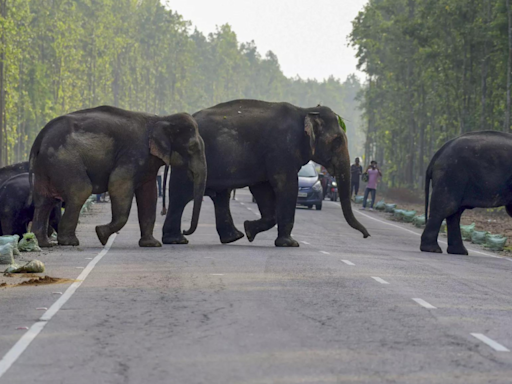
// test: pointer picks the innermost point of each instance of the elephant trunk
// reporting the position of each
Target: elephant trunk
(198, 169)
(342, 171)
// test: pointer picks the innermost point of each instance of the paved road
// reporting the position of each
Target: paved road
(339, 309)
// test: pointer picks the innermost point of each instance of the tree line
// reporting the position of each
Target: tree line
(436, 69)
(57, 56)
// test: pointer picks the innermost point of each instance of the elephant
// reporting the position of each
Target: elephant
(104, 149)
(470, 171)
(16, 209)
(12, 170)
(261, 145)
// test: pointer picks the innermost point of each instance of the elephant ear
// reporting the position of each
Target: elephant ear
(309, 130)
(159, 141)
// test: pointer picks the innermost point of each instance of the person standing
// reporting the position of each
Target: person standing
(374, 173)
(355, 173)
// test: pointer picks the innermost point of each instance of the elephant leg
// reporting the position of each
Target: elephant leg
(55, 217)
(455, 243)
(266, 200)
(7, 223)
(181, 191)
(42, 208)
(442, 206)
(66, 234)
(285, 188)
(225, 226)
(121, 196)
(146, 197)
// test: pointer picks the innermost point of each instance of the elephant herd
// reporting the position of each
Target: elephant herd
(241, 143)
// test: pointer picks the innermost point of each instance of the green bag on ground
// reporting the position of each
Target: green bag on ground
(398, 214)
(6, 256)
(478, 237)
(443, 227)
(466, 231)
(359, 199)
(33, 266)
(380, 206)
(495, 242)
(408, 216)
(419, 221)
(29, 243)
(390, 208)
(11, 240)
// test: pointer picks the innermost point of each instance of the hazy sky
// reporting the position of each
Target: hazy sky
(309, 37)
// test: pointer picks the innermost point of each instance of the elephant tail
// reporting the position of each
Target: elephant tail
(31, 173)
(428, 178)
(164, 209)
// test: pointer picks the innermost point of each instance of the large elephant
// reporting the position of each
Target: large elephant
(473, 170)
(262, 145)
(12, 170)
(110, 149)
(17, 209)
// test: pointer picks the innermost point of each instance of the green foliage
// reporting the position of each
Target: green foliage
(64, 55)
(436, 69)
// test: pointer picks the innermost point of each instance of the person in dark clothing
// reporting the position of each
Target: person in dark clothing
(355, 174)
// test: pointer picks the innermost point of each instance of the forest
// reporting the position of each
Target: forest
(58, 56)
(435, 69)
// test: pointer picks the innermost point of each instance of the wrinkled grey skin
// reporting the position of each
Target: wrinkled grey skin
(109, 149)
(17, 209)
(473, 170)
(262, 145)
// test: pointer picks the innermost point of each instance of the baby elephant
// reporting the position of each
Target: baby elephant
(15, 209)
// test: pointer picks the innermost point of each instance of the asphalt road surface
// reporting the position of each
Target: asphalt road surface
(339, 309)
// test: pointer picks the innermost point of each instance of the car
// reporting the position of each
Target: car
(310, 189)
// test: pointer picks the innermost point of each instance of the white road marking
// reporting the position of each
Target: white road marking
(350, 263)
(382, 281)
(419, 234)
(325, 253)
(424, 304)
(490, 342)
(216, 274)
(41, 309)
(242, 203)
(57, 293)
(305, 242)
(15, 352)
(88, 258)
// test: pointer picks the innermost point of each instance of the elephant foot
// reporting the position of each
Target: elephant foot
(68, 240)
(434, 248)
(45, 243)
(249, 231)
(457, 250)
(286, 242)
(149, 242)
(103, 232)
(170, 239)
(232, 237)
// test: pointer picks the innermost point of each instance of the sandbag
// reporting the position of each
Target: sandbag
(380, 206)
(478, 237)
(495, 242)
(466, 231)
(29, 243)
(390, 208)
(359, 199)
(419, 221)
(11, 240)
(6, 256)
(33, 266)
(408, 216)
